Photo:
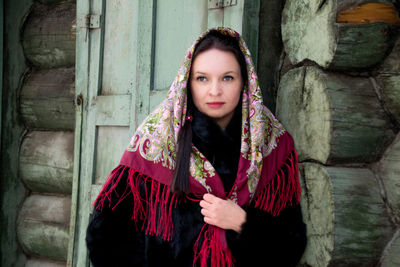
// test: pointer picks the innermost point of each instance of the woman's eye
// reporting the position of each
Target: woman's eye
(201, 79)
(228, 78)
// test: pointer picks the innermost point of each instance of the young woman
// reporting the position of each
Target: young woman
(210, 178)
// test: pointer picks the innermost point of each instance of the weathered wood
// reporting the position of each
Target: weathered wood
(345, 216)
(333, 118)
(310, 32)
(389, 79)
(47, 99)
(43, 239)
(12, 189)
(43, 226)
(270, 48)
(391, 257)
(47, 208)
(49, 35)
(44, 263)
(369, 13)
(46, 161)
(388, 170)
(53, 1)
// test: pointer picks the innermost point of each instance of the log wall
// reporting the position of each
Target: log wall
(339, 96)
(47, 110)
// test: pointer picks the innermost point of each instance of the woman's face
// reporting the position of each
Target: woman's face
(216, 84)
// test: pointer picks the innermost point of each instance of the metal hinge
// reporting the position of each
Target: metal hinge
(212, 4)
(93, 21)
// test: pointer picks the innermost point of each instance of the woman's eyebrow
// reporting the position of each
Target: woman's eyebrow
(231, 71)
(200, 72)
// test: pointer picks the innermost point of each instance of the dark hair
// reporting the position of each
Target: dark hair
(213, 39)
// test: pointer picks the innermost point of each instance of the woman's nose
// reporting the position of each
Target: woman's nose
(215, 89)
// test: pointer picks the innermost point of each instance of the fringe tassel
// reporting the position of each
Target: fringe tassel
(214, 249)
(281, 190)
(152, 208)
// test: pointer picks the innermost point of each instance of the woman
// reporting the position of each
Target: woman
(210, 177)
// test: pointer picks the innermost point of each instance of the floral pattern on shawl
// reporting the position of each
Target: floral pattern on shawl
(156, 137)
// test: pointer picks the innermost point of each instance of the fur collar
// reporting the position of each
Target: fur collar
(221, 148)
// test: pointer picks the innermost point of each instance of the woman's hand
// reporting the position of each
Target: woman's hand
(222, 213)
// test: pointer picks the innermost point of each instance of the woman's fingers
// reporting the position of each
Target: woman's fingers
(210, 198)
(222, 213)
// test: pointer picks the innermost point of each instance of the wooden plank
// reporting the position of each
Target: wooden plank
(156, 97)
(76, 246)
(215, 18)
(95, 192)
(113, 110)
(81, 82)
(145, 48)
(191, 20)
(111, 142)
(119, 51)
(95, 39)
(233, 16)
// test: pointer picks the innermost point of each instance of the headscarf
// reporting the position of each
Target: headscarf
(151, 156)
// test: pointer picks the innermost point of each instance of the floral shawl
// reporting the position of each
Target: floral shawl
(151, 154)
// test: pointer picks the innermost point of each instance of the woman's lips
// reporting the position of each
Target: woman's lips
(215, 104)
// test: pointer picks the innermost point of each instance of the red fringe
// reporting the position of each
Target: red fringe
(281, 190)
(214, 249)
(153, 209)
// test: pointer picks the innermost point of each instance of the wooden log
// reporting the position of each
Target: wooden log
(46, 161)
(333, 118)
(49, 35)
(42, 226)
(44, 263)
(389, 80)
(311, 31)
(47, 208)
(391, 256)
(47, 99)
(347, 224)
(388, 170)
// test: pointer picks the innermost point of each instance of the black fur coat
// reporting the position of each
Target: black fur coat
(113, 238)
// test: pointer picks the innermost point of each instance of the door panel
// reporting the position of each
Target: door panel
(111, 143)
(119, 52)
(173, 37)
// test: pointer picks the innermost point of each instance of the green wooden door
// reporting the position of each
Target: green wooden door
(128, 53)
